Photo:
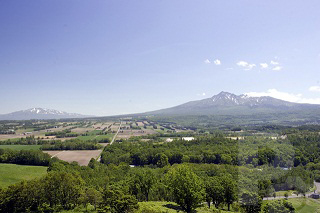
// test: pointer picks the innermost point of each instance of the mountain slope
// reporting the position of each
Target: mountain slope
(230, 104)
(39, 113)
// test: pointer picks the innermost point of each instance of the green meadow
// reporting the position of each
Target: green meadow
(12, 173)
(305, 205)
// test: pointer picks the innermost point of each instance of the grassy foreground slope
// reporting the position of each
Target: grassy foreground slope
(305, 205)
(170, 207)
(12, 173)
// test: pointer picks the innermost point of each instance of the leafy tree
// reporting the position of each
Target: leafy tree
(187, 188)
(278, 206)
(142, 182)
(265, 188)
(162, 160)
(274, 194)
(114, 200)
(91, 196)
(301, 186)
(286, 195)
(214, 191)
(18, 198)
(251, 202)
(63, 189)
(230, 190)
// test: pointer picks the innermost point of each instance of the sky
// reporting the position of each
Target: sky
(111, 57)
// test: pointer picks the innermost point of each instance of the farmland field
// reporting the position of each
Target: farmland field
(82, 130)
(21, 147)
(125, 134)
(82, 156)
(11, 137)
(95, 137)
(12, 173)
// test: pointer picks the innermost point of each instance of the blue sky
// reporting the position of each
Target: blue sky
(116, 57)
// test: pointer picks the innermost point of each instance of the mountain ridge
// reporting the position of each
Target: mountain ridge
(40, 113)
(229, 103)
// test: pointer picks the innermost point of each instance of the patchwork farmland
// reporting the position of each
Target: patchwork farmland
(24, 136)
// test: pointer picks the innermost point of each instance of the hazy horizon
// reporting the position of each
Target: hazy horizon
(109, 57)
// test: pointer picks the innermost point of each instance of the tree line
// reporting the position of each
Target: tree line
(72, 145)
(25, 157)
(216, 149)
(118, 188)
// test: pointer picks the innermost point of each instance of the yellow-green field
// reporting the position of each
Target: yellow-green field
(12, 173)
(305, 205)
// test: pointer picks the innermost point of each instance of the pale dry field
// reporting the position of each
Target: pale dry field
(114, 127)
(103, 125)
(125, 134)
(82, 129)
(82, 156)
(140, 124)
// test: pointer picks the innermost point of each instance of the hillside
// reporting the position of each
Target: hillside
(230, 109)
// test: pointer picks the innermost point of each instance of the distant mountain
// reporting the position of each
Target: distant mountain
(230, 104)
(39, 113)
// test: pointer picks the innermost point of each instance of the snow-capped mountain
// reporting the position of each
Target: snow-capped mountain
(39, 113)
(228, 103)
(228, 99)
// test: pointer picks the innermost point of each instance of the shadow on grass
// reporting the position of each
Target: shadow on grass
(174, 207)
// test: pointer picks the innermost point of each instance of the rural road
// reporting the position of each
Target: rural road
(317, 184)
(57, 154)
(114, 138)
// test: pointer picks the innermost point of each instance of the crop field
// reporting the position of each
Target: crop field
(140, 124)
(21, 147)
(99, 137)
(82, 129)
(101, 125)
(82, 156)
(12, 173)
(22, 130)
(115, 127)
(125, 134)
(93, 136)
(10, 136)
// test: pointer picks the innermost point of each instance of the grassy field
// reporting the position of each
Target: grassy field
(305, 205)
(97, 137)
(281, 193)
(87, 138)
(19, 131)
(21, 147)
(12, 173)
